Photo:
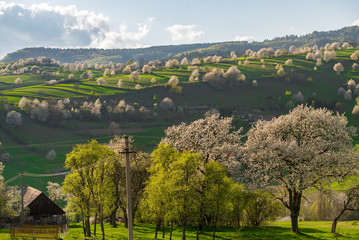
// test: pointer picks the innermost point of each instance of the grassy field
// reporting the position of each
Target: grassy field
(273, 230)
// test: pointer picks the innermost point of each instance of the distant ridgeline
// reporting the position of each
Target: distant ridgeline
(347, 34)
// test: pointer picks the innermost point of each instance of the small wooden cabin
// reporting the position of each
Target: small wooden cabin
(41, 210)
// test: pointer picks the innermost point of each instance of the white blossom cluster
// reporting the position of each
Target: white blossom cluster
(300, 149)
(212, 137)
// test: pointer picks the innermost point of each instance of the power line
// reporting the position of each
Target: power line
(53, 174)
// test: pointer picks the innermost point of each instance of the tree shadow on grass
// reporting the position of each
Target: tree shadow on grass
(276, 232)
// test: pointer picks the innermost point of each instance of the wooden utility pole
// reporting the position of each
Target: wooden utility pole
(128, 191)
(22, 197)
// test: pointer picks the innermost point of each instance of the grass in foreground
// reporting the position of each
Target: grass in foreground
(274, 230)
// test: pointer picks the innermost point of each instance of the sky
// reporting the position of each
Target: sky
(143, 23)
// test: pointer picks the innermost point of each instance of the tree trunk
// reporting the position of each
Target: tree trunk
(335, 221)
(171, 230)
(77, 218)
(294, 219)
(83, 227)
(113, 218)
(88, 227)
(183, 230)
(125, 218)
(158, 225)
(334, 224)
(163, 229)
(295, 199)
(197, 232)
(214, 231)
(102, 230)
(95, 224)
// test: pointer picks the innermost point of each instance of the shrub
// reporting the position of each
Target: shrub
(261, 207)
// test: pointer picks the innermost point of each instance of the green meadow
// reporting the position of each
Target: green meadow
(273, 230)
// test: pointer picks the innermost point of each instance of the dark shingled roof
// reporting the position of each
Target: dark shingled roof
(30, 194)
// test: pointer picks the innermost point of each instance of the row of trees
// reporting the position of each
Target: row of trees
(48, 111)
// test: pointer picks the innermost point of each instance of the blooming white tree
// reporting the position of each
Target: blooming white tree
(213, 137)
(310, 56)
(51, 155)
(300, 150)
(351, 84)
(289, 62)
(195, 61)
(166, 104)
(101, 81)
(345, 45)
(215, 78)
(52, 82)
(319, 62)
(134, 76)
(172, 63)
(233, 55)
(348, 95)
(329, 55)
(355, 66)
(127, 70)
(13, 118)
(173, 80)
(146, 68)
(138, 86)
(281, 72)
(299, 97)
(355, 55)
(184, 61)
(153, 80)
(18, 81)
(338, 67)
(292, 49)
(120, 83)
(234, 74)
(54, 191)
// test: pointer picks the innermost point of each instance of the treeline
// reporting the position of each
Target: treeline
(347, 34)
(71, 55)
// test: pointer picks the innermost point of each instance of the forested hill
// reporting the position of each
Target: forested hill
(347, 34)
(71, 55)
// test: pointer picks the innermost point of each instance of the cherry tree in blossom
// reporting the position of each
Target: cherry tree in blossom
(298, 151)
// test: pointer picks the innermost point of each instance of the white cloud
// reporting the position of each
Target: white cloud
(244, 38)
(57, 26)
(184, 32)
(356, 22)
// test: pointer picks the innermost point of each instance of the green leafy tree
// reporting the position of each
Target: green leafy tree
(139, 163)
(86, 185)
